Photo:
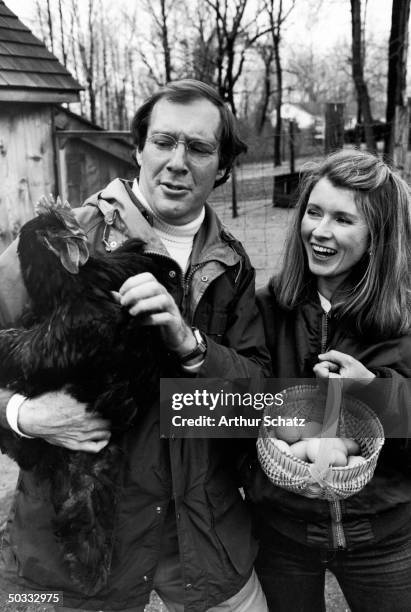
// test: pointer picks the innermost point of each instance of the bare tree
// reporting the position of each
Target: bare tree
(235, 35)
(199, 44)
(42, 27)
(363, 98)
(397, 67)
(50, 26)
(62, 41)
(277, 15)
(266, 52)
(160, 41)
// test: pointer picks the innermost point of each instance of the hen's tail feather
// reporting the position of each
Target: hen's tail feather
(85, 515)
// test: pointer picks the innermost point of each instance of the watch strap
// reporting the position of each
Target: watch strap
(198, 351)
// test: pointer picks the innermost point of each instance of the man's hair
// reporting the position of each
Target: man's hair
(184, 92)
(377, 295)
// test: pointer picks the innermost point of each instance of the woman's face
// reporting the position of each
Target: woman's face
(334, 233)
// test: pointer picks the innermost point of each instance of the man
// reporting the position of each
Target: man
(181, 526)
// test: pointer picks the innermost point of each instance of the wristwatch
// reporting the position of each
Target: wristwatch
(198, 351)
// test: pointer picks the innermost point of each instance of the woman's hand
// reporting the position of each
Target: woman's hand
(344, 365)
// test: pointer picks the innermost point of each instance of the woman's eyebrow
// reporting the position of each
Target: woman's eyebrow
(335, 213)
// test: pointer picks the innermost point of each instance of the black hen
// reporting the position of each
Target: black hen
(76, 336)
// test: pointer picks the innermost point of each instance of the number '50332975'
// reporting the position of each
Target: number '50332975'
(34, 598)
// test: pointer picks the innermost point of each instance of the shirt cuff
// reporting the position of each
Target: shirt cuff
(12, 413)
(190, 368)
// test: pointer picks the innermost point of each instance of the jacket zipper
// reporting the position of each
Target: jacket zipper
(324, 332)
(186, 285)
(337, 529)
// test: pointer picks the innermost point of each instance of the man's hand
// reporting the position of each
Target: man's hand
(344, 365)
(60, 419)
(145, 297)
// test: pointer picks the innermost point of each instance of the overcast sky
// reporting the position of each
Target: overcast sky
(332, 23)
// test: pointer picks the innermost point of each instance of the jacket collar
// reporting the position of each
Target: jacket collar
(212, 242)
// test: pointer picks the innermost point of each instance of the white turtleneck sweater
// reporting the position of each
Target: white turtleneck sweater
(178, 239)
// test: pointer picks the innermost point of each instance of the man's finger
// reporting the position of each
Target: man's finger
(95, 423)
(99, 434)
(89, 446)
(160, 318)
(151, 305)
(136, 281)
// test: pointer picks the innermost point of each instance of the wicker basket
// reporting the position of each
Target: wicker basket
(356, 421)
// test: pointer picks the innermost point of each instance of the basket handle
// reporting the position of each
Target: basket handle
(320, 468)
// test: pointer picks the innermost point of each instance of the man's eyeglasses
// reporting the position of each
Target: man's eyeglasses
(198, 151)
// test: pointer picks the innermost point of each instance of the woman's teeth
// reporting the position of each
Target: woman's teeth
(321, 250)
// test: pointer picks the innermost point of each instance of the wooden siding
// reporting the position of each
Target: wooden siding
(88, 170)
(88, 162)
(26, 164)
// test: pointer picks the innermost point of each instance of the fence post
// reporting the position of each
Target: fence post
(292, 147)
(234, 192)
(334, 126)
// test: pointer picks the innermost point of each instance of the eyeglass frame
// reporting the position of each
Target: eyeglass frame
(202, 156)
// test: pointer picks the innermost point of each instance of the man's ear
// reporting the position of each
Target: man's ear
(220, 173)
(139, 156)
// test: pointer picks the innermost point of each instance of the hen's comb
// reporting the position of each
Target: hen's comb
(48, 203)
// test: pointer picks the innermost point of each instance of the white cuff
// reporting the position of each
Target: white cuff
(192, 368)
(12, 413)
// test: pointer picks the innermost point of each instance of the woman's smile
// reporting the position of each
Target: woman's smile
(334, 233)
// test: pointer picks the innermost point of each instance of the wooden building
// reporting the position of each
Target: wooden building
(36, 157)
(89, 157)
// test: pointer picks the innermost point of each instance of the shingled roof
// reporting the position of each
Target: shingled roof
(28, 71)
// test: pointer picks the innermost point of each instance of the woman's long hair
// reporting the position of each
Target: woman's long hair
(376, 297)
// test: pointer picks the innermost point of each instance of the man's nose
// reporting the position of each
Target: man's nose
(177, 161)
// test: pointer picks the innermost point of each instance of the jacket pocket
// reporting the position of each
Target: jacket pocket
(215, 324)
(232, 525)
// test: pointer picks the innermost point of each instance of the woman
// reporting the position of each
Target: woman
(342, 304)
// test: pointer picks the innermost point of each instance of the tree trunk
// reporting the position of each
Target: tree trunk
(397, 69)
(363, 98)
(63, 46)
(400, 133)
(291, 134)
(50, 24)
(165, 42)
(279, 102)
(267, 56)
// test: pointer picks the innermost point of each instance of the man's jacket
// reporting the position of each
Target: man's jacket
(194, 476)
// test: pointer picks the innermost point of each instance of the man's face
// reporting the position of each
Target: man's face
(175, 183)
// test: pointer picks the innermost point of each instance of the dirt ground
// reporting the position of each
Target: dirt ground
(262, 230)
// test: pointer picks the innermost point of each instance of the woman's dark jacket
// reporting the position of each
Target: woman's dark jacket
(193, 476)
(295, 338)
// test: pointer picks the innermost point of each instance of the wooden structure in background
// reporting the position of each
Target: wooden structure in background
(45, 148)
(88, 157)
(32, 81)
(285, 189)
